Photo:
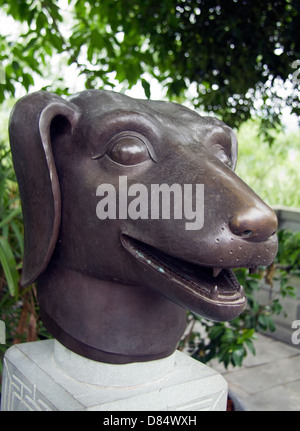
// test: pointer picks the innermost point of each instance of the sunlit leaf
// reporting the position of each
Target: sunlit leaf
(8, 264)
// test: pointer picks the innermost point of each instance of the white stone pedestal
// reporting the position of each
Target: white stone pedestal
(44, 375)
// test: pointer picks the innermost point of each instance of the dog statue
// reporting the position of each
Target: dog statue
(113, 282)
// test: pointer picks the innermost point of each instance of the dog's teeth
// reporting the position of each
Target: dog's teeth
(214, 293)
(253, 270)
(216, 271)
(241, 290)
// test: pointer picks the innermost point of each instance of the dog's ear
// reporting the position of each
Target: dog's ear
(230, 146)
(30, 140)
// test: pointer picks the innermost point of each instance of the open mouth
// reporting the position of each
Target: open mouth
(213, 285)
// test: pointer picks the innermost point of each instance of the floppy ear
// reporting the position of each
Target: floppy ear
(30, 140)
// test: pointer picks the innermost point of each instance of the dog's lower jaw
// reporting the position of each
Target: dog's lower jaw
(210, 292)
(134, 325)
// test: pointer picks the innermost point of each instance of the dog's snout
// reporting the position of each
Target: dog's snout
(255, 224)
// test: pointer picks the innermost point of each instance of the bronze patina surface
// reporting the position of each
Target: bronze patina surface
(117, 290)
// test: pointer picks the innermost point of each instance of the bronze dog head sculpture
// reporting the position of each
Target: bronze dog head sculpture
(116, 289)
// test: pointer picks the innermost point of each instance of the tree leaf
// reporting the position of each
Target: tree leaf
(8, 264)
(146, 87)
(238, 356)
(11, 215)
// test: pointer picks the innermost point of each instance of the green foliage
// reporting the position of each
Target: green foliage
(288, 255)
(271, 171)
(226, 342)
(11, 239)
(232, 52)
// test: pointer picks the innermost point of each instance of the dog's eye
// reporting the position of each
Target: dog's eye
(128, 150)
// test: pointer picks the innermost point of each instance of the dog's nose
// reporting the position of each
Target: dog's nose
(255, 224)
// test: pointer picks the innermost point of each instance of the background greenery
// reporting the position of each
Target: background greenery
(237, 59)
(272, 171)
